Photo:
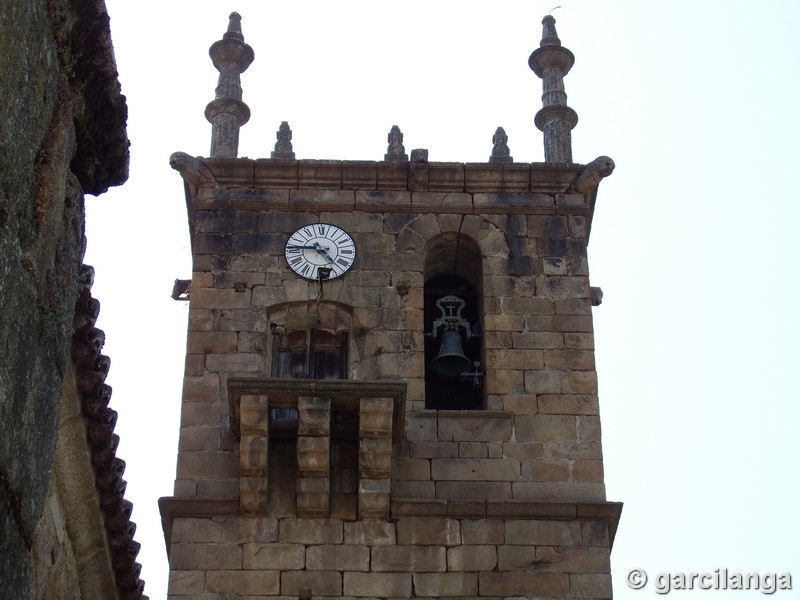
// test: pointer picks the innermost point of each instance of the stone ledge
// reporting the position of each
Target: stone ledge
(172, 507)
(548, 178)
(519, 509)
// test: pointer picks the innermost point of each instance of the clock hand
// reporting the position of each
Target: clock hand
(316, 247)
(324, 253)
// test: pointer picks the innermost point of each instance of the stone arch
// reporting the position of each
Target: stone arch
(453, 267)
(320, 330)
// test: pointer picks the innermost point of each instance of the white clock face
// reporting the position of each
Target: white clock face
(320, 246)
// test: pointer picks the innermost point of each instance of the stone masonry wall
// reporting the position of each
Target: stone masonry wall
(422, 557)
(539, 437)
(62, 132)
(499, 502)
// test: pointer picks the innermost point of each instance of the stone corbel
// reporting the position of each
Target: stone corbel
(253, 454)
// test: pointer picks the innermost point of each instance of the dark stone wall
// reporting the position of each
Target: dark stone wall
(62, 133)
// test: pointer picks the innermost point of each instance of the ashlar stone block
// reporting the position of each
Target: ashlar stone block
(425, 531)
(243, 583)
(483, 531)
(320, 583)
(337, 558)
(375, 417)
(546, 585)
(373, 532)
(314, 416)
(542, 532)
(377, 585)
(475, 469)
(418, 559)
(374, 498)
(375, 458)
(437, 585)
(253, 454)
(313, 456)
(474, 426)
(591, 585)
(205, 556)
(472, 558)
(281, 557)
(313, 497)
(310, 531)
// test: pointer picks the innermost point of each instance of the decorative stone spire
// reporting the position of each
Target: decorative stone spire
(395, 152)
(551, 61)
(501, 154)
(227, 113)
(283, 147)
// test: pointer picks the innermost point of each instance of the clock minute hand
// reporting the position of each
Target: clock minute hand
(316, 247)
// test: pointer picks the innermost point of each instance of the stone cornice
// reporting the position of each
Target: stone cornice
(546, 178)
(172, 508)
(386, 187)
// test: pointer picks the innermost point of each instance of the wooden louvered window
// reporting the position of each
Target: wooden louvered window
(310, 354)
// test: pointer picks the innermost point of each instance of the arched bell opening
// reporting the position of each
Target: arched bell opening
(453, 324)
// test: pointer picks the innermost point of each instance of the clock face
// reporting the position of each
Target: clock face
(320, 246)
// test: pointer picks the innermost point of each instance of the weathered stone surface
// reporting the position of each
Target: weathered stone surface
(471, 558)
(474, 426)
(483, 531)
(418, 559)
(62, 133)
(590, 586)
(381, 585)
(248, 583)
(345, 557)
(186, 582)
(311, 531)
(320, 583)
(547, 585)
(473, 490)
(224, 529)
(475, 469)
(437, 585)
(371, 532)
(428, 531)
(279, 557)
(547, 533)
(205, 556)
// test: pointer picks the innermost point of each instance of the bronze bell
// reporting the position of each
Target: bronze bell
(451, 361)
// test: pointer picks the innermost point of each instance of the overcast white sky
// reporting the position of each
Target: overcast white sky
(693, 241)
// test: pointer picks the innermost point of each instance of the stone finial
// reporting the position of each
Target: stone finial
(395, 152)
(227, 113)
(549, 35)
(283, 147)
(500, 151)
(551, 61)
(589, 177)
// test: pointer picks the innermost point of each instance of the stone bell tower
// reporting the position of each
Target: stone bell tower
(390, 388)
